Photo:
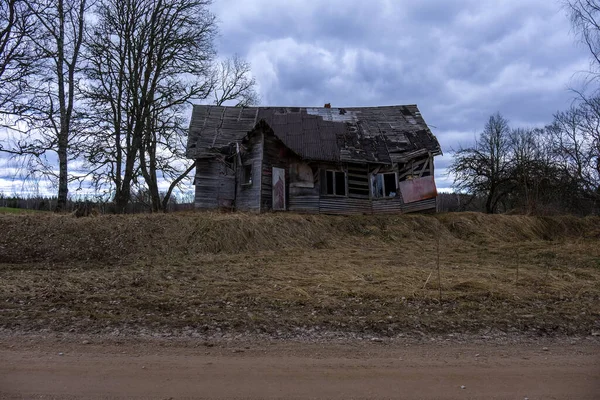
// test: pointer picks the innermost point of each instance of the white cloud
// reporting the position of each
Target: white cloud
(460, 61)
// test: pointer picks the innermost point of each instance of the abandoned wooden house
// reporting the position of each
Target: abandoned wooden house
(318, 160)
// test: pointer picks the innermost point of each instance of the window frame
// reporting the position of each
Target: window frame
(334, 172)
(247, 171)
(372, 178)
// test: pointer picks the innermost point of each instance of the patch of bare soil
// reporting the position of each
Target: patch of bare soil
(63, 368)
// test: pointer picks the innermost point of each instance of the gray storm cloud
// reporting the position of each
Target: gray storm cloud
(460, 61)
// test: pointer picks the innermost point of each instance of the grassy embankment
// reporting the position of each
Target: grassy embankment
(201, 272)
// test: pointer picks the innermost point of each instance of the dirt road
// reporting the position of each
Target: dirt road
(69, 369)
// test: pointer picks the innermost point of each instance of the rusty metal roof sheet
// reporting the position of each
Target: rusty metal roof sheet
(362, 134)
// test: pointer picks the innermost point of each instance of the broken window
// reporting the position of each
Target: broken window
(334, 183)
(301, 175)
(247, 175)
(384, 185)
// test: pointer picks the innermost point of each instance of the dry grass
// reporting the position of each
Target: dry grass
(283, 272)
(10, 210)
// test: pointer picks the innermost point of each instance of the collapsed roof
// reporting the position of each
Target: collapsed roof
(382, 135)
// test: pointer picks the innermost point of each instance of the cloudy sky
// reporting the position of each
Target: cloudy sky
(459, 61)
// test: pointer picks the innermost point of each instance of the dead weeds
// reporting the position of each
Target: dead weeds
(277, 273)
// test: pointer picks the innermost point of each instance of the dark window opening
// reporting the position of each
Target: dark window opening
(384, 185)
(247, 178)
(389, 183)
(330, 182)
(335, 183)
(340, 183)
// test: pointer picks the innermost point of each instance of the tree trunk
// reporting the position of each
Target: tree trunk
(165, 201)
(63, 130)
(149, 174)
(121, 201)
(63, 178)
(489, 203)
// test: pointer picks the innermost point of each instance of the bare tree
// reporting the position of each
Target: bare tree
(574, 141)
(575, 133)
(63, 26)
(585, 19)
(484, 169)
(147, 59)
(17, 56)
(550, 169)
(524, 154)
(235, 84)
(590, 110)
(538, 184)
(164, 156)
(49, 114)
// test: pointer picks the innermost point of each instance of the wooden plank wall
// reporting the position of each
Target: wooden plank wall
(344, 206)
(298, 199)
(248, 196)
(358, 181)
(274, 155)
(302, 202)
(215, 184)
(418, 168)
(311, 201)
(429, 205)
(388, 205)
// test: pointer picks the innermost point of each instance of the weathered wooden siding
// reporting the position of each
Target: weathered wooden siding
(387, 206)
(344, 206)
(429, 205)
(248, 196)
(303, 203)
(299, 199)
(274, 155)
(358, 181)
(215, 184)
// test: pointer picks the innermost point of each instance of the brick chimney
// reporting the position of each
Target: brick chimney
(328, 105)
